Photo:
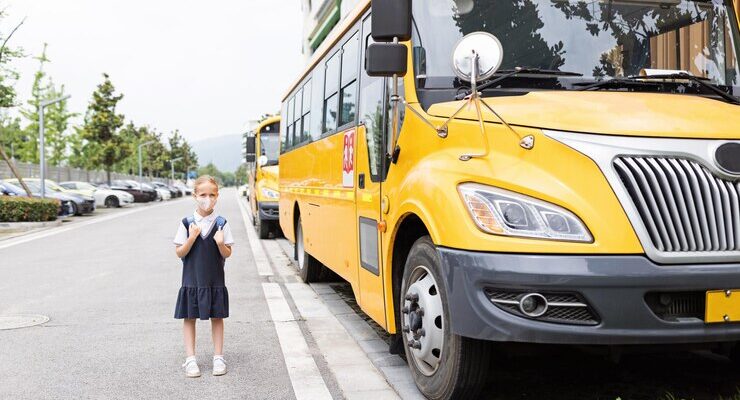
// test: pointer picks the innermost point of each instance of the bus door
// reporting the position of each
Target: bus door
(370, 153)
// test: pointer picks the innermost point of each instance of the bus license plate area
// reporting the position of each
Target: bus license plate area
(722, 306)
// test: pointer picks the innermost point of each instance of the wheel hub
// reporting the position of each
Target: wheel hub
(422, 316)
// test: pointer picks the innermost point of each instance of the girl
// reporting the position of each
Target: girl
(203, 242)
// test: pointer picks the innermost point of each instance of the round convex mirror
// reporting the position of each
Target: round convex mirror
(490, 55)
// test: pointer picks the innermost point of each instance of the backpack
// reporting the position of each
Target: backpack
(220, 222)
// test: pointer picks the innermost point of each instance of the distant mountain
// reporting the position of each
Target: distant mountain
(225, 152)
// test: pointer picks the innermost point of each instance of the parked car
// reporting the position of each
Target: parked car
(65, 204)
(184, 188)
(103, 196)
(81, 204)
(140, 195)
(174, 192)
(153, 194)
(162, 194)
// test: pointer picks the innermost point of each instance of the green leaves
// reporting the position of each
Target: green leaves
(101, 127)
(24, 209)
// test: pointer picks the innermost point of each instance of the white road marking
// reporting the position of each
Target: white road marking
(55, 231)
(260, 259)
(305, 377)
(304, 374)
(355, 373)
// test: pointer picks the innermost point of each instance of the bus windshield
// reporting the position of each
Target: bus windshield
(599, 39)
(270, 145)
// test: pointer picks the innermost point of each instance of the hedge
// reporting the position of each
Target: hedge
(24, 209)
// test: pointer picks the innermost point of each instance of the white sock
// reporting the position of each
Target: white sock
(218, 355)
(190, 358)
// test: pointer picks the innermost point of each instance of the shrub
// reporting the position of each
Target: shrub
(24, 209)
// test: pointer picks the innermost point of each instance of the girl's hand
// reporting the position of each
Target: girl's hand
(193, 231)
(219, 236)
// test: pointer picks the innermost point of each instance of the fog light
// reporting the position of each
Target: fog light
(533, 305)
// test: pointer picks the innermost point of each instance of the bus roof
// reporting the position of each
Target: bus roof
(267, 121)
(329, 42)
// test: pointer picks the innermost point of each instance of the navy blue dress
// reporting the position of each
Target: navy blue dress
(203, 293)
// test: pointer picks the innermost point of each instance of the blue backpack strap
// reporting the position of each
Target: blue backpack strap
(187, 221)
(220, 222)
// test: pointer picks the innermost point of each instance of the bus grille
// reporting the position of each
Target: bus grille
(684, 207)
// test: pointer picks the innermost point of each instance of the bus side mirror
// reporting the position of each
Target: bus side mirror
(386, 59)
(391, 20)
(251, 148)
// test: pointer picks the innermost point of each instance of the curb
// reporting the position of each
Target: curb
(18, 227)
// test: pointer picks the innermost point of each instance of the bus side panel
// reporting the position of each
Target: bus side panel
(311, 175)
(336, 244)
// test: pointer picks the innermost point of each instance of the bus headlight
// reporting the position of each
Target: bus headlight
(502, 212)
(270, 194)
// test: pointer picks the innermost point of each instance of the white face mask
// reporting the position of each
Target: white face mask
(205, 203)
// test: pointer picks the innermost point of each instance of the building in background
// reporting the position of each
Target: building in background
(319, 18)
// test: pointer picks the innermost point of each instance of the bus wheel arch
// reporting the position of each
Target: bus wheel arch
(461, 363)
(296, 218)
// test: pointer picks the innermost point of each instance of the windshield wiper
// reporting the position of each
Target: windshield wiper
(642, 80)
(508, 73)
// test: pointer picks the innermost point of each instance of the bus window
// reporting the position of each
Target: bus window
(349, 81)
(306, 113)
(317, 104)
(297, 119)
(289, 122)
(371, 111)
(283, 129)
(331, 86)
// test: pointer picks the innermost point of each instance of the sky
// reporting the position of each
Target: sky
(205, 68)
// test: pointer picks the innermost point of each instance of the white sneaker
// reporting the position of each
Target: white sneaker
(191, 367)
(219, 366)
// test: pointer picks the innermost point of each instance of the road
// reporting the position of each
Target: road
(109, 288)
(108, 285)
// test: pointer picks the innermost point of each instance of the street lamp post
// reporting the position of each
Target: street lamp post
(140, 146)
(42, 151)
(172, 166)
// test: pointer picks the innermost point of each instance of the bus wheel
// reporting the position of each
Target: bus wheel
(309, 268)
(444, 365)
(262, 227)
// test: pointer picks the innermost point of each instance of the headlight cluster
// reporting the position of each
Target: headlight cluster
(502, 212)
(270, 194)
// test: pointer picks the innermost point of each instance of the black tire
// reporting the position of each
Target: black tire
(463, 364)
(262, 227)
(75, 209)
(112, 202)
(309, 268)
(734, 354)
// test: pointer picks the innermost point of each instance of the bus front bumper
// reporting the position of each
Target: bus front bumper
(268, 210)
(628, 299)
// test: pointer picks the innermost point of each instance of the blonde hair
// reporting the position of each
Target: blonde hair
(204, 179)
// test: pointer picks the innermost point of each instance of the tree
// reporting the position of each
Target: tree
(7, 90)
(101, 125)
(56, 117)
(180, 148)
(80, 150)
(155, 157)
(241, 174)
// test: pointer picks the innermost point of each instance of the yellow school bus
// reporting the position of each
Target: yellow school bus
(541, 171)
(263, 147)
